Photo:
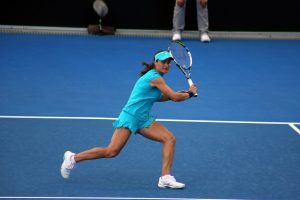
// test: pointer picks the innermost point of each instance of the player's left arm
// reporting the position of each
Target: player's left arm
(168, 93)
(165, 98)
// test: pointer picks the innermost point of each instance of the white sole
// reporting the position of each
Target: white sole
(167, 186)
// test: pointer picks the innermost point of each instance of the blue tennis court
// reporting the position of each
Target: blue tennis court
(239, 139)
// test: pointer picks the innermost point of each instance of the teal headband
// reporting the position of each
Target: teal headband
(162, 56)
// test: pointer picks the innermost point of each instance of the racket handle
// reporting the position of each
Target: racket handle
(191, 83)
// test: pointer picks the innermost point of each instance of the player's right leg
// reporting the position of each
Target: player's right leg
(118, 141)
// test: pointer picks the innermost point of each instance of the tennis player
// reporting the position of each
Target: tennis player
(135, 118)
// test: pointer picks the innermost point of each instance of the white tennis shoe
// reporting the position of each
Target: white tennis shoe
(176, 36)
(67, 164)
(204, 37)
(169, 181)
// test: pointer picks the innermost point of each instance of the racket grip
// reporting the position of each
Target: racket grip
(191, 83)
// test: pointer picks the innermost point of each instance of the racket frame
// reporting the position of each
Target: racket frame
(186, 70)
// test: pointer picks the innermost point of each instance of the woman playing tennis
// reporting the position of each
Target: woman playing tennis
(135, 118)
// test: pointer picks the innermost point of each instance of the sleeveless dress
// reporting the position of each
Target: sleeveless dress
(136, 113)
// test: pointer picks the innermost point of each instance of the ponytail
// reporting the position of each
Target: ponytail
(150, 66)
(147, 68)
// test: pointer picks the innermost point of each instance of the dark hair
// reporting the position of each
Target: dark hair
(149, 66)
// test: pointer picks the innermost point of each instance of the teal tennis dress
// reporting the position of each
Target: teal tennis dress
(136, 113)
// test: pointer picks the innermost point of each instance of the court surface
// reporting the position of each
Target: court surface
(239, 139)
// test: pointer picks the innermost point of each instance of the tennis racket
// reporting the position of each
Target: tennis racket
(183, 59)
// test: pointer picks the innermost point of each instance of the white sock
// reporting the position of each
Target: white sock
(165, 176)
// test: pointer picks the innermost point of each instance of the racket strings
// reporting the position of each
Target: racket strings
(180, 55)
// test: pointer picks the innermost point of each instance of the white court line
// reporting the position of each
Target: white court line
(295, 128)
(111, 198)
(162, 120)
(55, 117)
(291, 124)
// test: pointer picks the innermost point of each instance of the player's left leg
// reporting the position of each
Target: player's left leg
(158, 132)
